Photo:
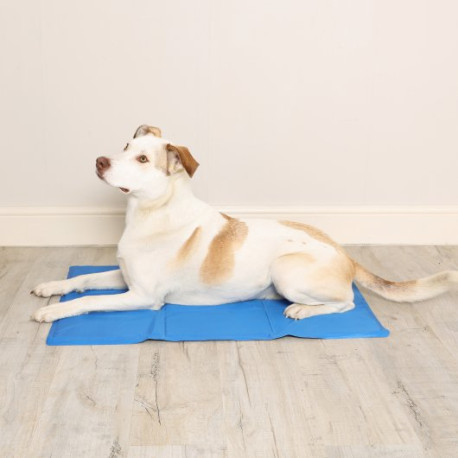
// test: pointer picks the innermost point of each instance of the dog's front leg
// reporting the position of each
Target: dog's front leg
(110, 303)
(111, 279)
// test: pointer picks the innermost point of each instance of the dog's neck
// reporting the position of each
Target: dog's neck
(176, 208)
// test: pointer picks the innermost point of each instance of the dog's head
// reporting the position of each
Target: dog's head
(146, 165)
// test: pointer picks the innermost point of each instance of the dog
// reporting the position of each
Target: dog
(176, 248)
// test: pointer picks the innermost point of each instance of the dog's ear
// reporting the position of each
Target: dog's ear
(179, 156)
(145, 129)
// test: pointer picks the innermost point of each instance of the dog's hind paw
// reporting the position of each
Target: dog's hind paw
(300, 311)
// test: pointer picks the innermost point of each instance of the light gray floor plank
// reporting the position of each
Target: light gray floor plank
(177, 398)
(394, 397)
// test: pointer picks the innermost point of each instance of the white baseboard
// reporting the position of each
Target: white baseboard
(78, 226)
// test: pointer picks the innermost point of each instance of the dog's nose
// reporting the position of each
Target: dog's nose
(102, 163)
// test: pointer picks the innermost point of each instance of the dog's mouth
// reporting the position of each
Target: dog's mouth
(100, 175)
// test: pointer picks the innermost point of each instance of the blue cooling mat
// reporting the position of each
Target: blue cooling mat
(251, 320)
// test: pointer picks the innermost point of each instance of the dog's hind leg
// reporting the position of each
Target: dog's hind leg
(316, 287)
(112, 279)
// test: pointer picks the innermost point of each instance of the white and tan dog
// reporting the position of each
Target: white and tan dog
(177, 249)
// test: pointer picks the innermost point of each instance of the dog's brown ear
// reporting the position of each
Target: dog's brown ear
(145, 129)
(180, 156)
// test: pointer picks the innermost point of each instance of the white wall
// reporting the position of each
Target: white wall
(292, 103)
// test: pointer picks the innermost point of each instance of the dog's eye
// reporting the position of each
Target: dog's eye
(142, 159)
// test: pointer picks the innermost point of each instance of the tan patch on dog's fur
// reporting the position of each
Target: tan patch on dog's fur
(226, 216)
(188, 247)
(330, 281)
(144, 129)
(312, 231)
(382, 286)
(337, 275)
(219, 263)
(185, 158)
(342, 267)
(300, 258)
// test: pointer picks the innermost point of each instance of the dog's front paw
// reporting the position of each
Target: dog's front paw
(55, 312)
(60, 310)
(47, 314)
(50, 288)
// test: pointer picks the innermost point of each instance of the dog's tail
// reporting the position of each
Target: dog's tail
(407, 291)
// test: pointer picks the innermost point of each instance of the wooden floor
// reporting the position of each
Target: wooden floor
(393, 397)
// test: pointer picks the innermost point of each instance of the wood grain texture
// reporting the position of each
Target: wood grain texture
(394, 397)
